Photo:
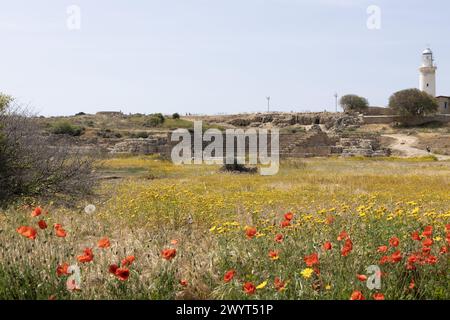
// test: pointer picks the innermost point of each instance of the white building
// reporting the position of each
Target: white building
(427, 81)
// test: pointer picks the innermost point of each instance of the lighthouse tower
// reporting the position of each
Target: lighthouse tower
(428, 73)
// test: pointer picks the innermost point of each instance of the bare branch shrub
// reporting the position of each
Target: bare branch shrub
(38, 165)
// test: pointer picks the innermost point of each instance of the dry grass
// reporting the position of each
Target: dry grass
(207, 212)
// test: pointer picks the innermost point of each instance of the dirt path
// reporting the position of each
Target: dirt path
(405, 143)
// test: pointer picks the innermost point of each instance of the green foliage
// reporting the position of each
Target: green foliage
(354, 103)
(108, 134)
(176, 116)
(154, 120)
(5, 101)
(138, 135)
(413, 102)
(65, 127)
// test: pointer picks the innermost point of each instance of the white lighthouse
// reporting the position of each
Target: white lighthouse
(428, 73)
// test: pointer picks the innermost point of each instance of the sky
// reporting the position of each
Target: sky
(215, 56)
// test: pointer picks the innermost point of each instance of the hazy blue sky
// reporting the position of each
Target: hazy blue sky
(213, 56)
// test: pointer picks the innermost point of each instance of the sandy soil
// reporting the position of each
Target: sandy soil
(405, 145)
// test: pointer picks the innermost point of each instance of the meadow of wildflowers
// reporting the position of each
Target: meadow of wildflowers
(320, 229)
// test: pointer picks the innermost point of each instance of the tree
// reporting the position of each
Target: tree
(354, 103)
(176, 116)
(413, 102)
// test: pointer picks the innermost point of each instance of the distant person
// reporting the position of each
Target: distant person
(428, 149)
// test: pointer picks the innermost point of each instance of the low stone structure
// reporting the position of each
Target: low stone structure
(153, 145)
(312, 143)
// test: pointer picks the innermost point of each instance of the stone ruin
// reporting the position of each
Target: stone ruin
(148, 146)
(312, 143)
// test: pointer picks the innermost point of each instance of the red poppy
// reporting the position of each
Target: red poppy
(413, 259)
(426, 250)
(122, 274)
(382, 249)
(342, 236)
(431, 260)
(412, 284)
(378, 296)
(36, 212)
(327, 246)
(415, 236)
(311, 260)
(62, 269)
(87, 256)
(285, 223)
(42, 224)
(357, 295)
(128, 261)
(279, 285)
(103, 243)
(289, 216)
(428, 231)
(249, 288)
(428, 242)
(394, 242)
(443, 250)
(396, 256)
(448, 237)
(113, 268)
(279, 238)
(361, 277)
(347, 248)
(385, 259)
(27, 232)
(229, 275)
(250, 232)
(447, 227)
(169, 254)
(274, 255)
(183, 283)
(60, 232)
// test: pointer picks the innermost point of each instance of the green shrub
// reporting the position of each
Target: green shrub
(176, 116)
(65, 127)
(154, 120)
(138, 135)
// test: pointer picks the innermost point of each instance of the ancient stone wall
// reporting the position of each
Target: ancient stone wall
(314, 143)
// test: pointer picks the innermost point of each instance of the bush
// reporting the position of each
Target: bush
(175, 116)
(35, 165)
(108, 134)
(65, 127)
(354, 103)
(139, 135)
(413, 102)
(154, 120)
